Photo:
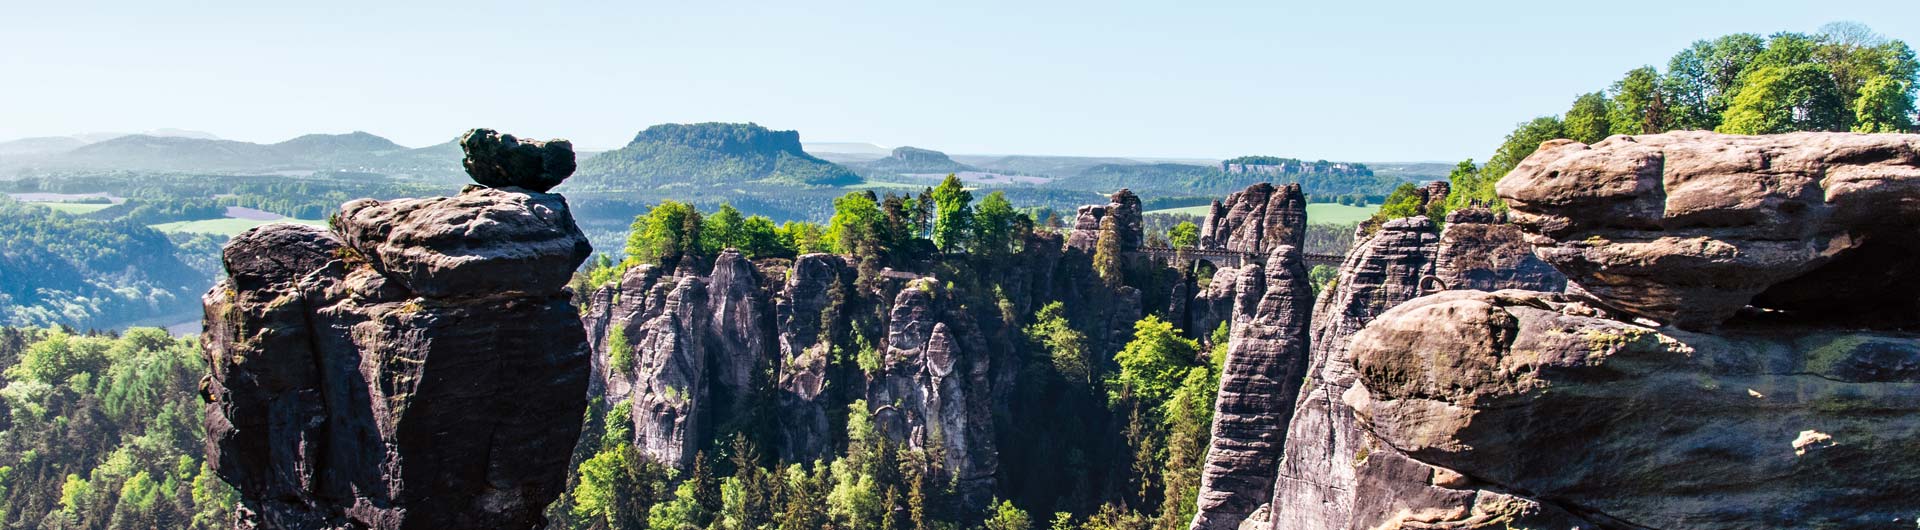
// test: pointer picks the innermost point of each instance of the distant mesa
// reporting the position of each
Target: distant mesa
(911, 160)
(710, 154)
(500, 160)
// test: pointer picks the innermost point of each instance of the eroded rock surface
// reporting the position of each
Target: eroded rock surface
(1478, 251)
(1760, 425)
(931, 389)
(1689, 227)
(1317, 486)
(1266, 359)
(500, 160)
(395, 374)
(1257, 220)
(1124, 206)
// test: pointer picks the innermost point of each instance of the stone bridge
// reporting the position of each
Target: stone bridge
(1228, 258)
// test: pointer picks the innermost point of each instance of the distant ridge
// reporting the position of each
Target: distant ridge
(355, 151)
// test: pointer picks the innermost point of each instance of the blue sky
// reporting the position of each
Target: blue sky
(1341, 80)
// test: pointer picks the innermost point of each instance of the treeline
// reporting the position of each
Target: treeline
(104, 432)
(881, 231)
(1845, 77)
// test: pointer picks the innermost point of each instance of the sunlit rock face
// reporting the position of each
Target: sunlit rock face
(1687, 228)
(417, 366)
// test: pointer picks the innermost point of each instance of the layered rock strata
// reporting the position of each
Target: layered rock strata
(419, 367)
(1759, 425)
(1266, 359)
(1257, 220)
(1688, 228)
(1125, 209)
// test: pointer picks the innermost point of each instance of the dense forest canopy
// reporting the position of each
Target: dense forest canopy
(104, 432)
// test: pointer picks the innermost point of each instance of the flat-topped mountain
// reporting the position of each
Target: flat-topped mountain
(911, 160)
(704, 154)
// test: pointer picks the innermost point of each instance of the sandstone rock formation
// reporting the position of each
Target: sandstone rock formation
(1125, 207)
(1687, 228)
(1257, 220)
(932, 388)
(681, 351)
(499, 160)
(1317, 485)
(417, 368)
(1266, 359)
(1760, 425)
(809, 311)
(1478, 251)
(1469, 409)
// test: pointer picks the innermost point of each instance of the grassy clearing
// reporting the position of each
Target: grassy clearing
(1339, 214)
(1317, 213)
(225, 226)
(74, 208)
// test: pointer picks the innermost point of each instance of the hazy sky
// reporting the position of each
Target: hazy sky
(1334, 79)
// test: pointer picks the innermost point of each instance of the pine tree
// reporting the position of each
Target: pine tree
(1106, 253)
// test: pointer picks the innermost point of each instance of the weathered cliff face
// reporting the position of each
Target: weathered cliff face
(682, 348)
(1479, 252)
(1257, 220)
(1266, 359)
(1125, 207)
(692, 348)
(1687, 228)
(1478, 410)
(809, 310)
(932, 390)
(1760, 425)
(419, 367)
(1316, 486)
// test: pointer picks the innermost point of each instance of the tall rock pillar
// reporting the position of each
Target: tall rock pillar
(418, 366)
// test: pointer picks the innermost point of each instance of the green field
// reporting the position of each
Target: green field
(225, 226)
(1339, 214)
(1317, 213)
(75, 208)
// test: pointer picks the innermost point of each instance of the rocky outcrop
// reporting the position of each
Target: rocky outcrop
(418, 367)
(1317, 486)
(1125, 207)
(1266, 359)
(1760, 425)
(1478, 251)
(1469, 409)
(1257, 220)
(499, 160)
(682, 351)
(810, 310)
(931, 390)
(1688, 228)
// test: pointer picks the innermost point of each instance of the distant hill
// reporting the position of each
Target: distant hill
(910, 160)
(709, 154)
(356, 151)
(45, 145)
